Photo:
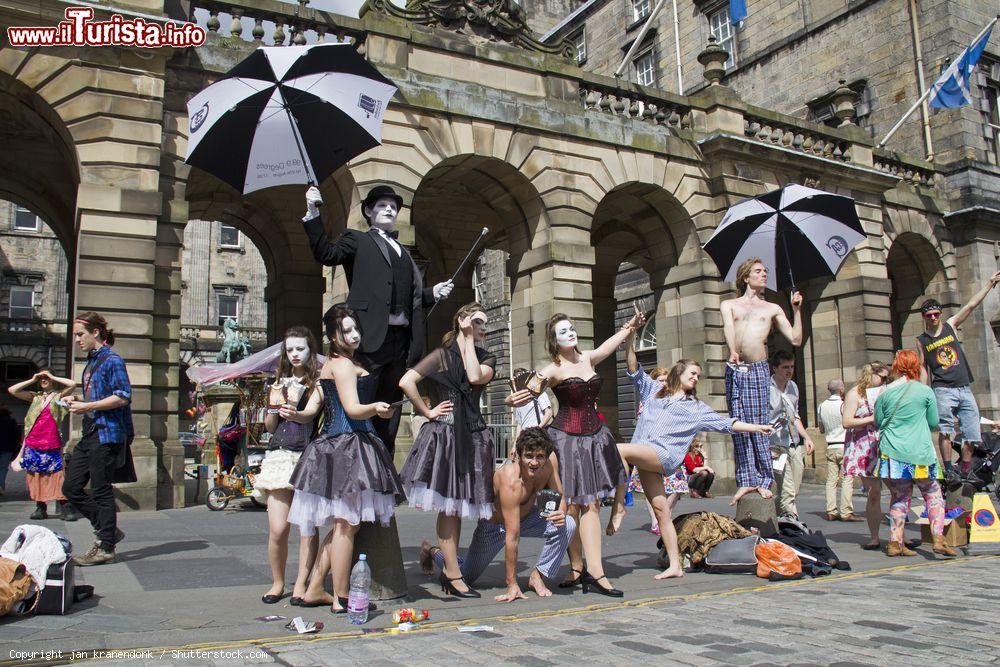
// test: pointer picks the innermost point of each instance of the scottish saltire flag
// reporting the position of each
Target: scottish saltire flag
(737, 12)
(952, 88)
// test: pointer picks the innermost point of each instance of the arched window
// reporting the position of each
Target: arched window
(647, 339)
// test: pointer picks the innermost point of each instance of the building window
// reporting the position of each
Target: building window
(229, 236)
(821, 109)
(645, 68)
(229, 308)
(17, 371)
(647, 340)
(993, 104)
(25, 220)
(579, 42)
(640, 9)
(722, 30)
(22, 303)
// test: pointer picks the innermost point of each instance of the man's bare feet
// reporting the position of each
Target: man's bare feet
(670, 573)
(615, 522)
(537, 584)
(742, 491)
(427, 558)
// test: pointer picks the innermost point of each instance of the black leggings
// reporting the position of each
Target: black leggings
(701, 481)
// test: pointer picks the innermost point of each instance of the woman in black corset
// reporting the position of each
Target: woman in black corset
(291, 427)
(449, 470)
(589, 462)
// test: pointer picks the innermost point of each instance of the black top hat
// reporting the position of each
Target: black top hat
(379, 192)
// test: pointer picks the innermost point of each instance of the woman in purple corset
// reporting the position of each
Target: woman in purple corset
(589, 462)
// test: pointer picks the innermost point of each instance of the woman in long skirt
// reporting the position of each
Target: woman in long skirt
(41, 450)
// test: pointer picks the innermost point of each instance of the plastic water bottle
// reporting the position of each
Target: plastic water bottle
(357, 601)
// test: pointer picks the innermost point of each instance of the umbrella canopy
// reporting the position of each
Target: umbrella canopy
(799, 233)
(286, 115)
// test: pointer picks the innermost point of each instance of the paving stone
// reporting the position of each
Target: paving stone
(882, 625)
(642, 647)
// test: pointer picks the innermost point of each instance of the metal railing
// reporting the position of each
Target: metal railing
(502, 431)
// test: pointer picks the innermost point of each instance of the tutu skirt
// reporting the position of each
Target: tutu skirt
(590, 465)
(432, 483)
(347, 476)
(275, 472)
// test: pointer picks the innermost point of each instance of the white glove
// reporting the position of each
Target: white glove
(442, 290)
(313, 201)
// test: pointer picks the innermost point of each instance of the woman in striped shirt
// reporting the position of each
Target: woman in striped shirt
(672, 416)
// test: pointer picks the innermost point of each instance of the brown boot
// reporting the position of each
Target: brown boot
(893, 549)
(940, 547)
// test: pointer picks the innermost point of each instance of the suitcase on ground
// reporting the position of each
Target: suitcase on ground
(57, 596)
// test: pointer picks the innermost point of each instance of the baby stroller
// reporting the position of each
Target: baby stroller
(982, 474)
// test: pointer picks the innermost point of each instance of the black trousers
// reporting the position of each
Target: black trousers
(701, 482)
(91, 461)
(388, 365)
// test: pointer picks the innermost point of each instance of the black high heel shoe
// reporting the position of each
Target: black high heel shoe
(590, 583)
(572, 583)
(449, 588)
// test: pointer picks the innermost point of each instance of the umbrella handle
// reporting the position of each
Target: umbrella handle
(788, 261)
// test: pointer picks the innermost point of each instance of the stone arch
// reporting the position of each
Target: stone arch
(47, 183)
(453, 202)
(643, 225)
(916, 273)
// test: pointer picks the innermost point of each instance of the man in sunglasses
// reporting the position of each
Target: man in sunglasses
(947, 370)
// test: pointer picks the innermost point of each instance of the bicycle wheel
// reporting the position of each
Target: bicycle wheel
(217, 499)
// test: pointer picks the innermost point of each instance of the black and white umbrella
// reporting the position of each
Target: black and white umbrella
(798, 233)
(287, 114)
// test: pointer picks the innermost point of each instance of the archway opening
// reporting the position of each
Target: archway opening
(916, 274)
(454, 202)
(640, 234)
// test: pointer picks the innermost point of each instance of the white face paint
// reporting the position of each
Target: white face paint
(565, 334)
(383, 213)
(297, 350)
(479, 320)
(349, 330)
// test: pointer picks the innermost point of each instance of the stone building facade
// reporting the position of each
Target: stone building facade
(33, 300)
(573, 172)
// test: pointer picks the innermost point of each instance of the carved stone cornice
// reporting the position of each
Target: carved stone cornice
(491, 20)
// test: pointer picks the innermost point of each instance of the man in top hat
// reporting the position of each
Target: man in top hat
(386, 292)
(948, 373)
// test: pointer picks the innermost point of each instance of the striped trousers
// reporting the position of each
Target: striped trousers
(489, 539)
(748, 400)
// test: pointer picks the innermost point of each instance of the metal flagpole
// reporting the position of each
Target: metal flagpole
(639, 38)
(930, 89)
(677, 49)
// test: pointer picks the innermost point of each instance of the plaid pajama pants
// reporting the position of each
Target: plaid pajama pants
(748, 400)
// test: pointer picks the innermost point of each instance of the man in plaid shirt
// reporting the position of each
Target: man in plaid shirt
(107, 432)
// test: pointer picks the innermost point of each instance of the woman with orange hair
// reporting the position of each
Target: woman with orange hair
(905, 413)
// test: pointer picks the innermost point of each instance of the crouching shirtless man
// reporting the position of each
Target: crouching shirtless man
(516, 484)
(747, 322)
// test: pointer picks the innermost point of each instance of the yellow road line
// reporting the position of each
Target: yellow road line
(284, 640)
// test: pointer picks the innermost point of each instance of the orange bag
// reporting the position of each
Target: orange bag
(776, 561)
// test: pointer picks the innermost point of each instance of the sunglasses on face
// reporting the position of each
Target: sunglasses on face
(932, 316)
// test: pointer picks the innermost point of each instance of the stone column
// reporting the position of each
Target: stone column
(116, 275)
(296, 297)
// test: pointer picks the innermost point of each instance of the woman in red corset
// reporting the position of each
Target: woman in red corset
(588, 455)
